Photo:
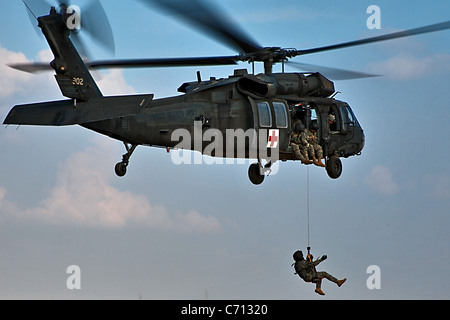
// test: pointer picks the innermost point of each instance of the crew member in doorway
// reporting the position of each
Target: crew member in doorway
(299, 143)
(315, 150)
(332, 126)
(306, 269)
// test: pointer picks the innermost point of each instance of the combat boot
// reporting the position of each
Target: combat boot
(314, 160)
(341, 282)
(319, 291)
(320, 164)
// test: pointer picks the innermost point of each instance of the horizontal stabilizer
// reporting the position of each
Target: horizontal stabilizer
(67, 112)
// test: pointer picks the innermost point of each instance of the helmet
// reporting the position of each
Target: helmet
(299, 127)
(314, 126)
(298, 255)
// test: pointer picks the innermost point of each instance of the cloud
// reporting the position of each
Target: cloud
(45, 56)
(18, 84)
(6, 208)
(113, 83)
(2, 195)
(15, 84)
(12, 81)
(84, 196)
(381, 182)
(405, 66)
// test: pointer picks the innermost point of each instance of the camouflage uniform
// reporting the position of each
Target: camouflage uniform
(307, 271)
(299, 144)
(315, 149)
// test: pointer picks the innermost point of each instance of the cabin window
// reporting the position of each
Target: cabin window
(313, 115)
(348, 117)
(281, 118)
(265, 116)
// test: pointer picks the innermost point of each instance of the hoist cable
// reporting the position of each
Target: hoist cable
(307, 201)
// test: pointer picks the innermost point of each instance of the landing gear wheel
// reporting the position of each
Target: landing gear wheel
(121, 169)
(254, 173)
(334, 167)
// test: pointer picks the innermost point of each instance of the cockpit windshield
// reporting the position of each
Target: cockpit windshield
(348, 117)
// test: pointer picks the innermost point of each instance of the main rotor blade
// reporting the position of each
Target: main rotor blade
(138, 63)
(37, 7)
(331, 73)
(207, 18)
(95, 21)
(164, 62)
(395, 35)
(31, 67)
(80, 45)
(33, 20)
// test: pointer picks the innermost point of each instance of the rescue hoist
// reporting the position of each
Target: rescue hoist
(309, 256)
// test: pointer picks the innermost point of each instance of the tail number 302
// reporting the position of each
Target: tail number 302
(78, 81)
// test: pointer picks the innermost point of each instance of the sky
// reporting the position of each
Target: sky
(168, 231)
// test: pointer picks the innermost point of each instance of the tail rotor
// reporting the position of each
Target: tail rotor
(87, 21)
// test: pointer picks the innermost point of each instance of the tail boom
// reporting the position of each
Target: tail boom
(66, 112)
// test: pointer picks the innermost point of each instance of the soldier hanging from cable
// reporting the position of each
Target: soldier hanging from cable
(306, 269)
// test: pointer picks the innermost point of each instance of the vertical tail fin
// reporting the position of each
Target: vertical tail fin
(72, 75)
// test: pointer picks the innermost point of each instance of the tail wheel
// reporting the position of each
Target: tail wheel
(254, 173)
(334, 167)
(121, 169)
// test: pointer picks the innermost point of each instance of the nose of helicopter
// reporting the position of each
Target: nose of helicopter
(362, 143)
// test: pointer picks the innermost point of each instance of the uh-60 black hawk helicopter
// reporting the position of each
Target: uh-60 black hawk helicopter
(268, 103)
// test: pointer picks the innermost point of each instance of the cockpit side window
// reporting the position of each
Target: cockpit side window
(265, 116)
(348, 117)
(281, 118)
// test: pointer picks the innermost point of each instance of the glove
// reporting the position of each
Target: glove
(324, 257)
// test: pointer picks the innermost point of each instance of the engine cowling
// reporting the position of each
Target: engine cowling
(292, 85)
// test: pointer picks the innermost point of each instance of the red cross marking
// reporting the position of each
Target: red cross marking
(273, 139)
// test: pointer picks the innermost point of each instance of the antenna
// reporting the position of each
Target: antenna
(29, 9)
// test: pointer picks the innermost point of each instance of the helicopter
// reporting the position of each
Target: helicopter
(244, 116)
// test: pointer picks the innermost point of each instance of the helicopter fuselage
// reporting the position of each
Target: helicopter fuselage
(246, 104)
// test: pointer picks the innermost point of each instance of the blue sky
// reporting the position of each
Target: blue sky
(176, 232)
